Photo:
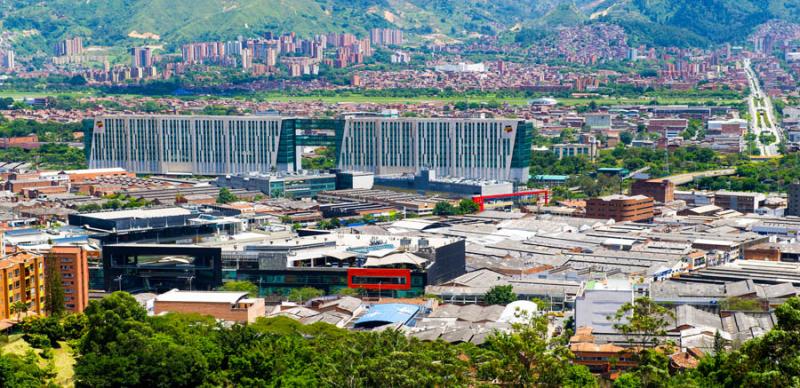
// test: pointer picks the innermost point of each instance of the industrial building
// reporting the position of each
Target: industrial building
(620, 208)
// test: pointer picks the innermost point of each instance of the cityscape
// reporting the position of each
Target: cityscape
(400, 193)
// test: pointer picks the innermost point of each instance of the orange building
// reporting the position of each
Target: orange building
(620, 208)
(74, 263)
(599, 358)
(22, 279)
(222, 305)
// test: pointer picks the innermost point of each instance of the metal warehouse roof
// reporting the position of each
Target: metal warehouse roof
(383, 314)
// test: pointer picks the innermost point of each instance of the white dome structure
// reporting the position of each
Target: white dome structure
(518, 312)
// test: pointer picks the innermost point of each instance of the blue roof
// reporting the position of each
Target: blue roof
(72, 239)
(384, 314)
(23, 232)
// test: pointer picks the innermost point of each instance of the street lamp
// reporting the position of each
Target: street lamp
(189, 279)
(118, 279)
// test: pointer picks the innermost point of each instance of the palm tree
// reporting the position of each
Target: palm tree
(18, 308)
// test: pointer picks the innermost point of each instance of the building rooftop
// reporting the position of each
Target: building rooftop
(229, 297)
(140, 213)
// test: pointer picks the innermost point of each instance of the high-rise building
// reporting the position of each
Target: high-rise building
(247, 58)
(7, 60)
(69, 46)
(495, 149)
(74, 268)
(793, 208)
(141, 57)
(386, 37)
(22, 277)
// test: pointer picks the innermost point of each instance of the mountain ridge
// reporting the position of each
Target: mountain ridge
(659, 22)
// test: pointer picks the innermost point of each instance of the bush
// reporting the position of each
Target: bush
(48, 327)
(38, 341)
(47, 353)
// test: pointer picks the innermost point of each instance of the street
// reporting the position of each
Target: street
(762, 114)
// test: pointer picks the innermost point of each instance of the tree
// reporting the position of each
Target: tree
(345, 291)
(49, 327)
(500, 295)
(54, 289)
(526, 357)
(444, 208)
(625, 137)
(225, 196)
(304, 294)
(75, 326)
(108, 318)
(240, 285)
(643, 321)
(468, 206)
(741, 304)
(766, 361)
(22, 371)
(19, 307)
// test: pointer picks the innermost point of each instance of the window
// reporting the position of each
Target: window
(378, 280)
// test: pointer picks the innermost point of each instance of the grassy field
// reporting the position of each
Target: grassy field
(62, 362)
(360, 98)
(20, 95)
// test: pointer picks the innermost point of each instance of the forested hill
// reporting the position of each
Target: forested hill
(118, 22)
(695, 22)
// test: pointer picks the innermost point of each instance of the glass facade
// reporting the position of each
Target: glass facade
(274, 283)
(160, 268)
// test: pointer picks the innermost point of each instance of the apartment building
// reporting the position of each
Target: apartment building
(22, 277)
(74, 267)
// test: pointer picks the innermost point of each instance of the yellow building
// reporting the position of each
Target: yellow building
(22, 277)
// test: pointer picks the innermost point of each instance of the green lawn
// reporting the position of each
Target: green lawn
(360, 98)
(20, 95)
(62, 362)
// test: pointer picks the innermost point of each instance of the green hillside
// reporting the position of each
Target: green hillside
(111, 22)
(697, 23)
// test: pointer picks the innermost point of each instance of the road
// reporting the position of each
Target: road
(761, 106)
(682, 179)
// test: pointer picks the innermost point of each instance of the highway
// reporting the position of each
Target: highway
(761, 107)
(682, 179)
